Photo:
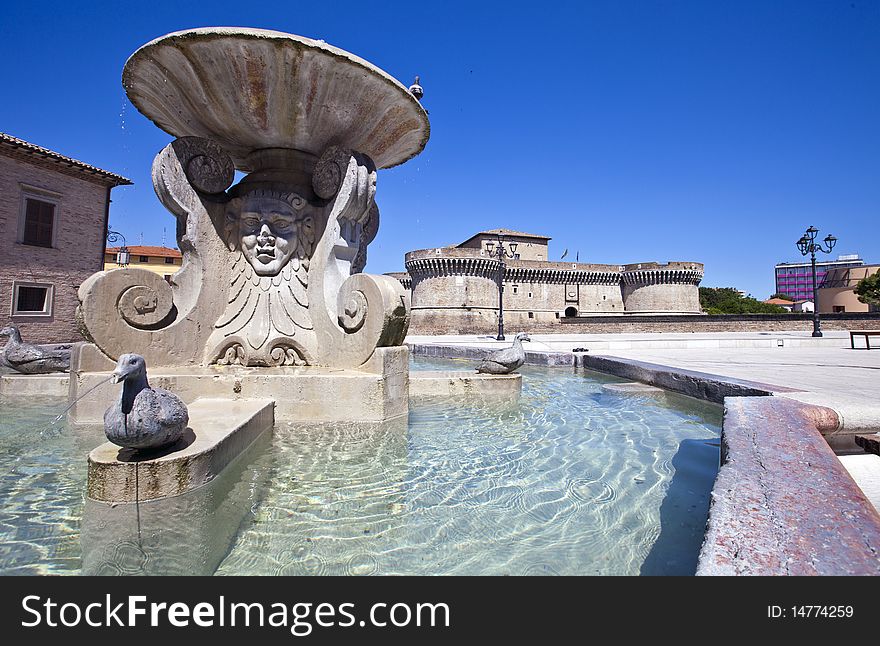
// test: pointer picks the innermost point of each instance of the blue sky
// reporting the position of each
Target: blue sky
(627, 131)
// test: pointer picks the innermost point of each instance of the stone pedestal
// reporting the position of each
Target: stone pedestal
(33, 385)
(377, 393)
(457, 383)
(186, 535)
(219, 431)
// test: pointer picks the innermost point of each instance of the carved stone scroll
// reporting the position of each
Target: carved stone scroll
(270, 271)
(358, 312)
(134, 310)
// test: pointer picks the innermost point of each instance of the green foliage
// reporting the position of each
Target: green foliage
(868, 289)
(784, 297)
(727, 300)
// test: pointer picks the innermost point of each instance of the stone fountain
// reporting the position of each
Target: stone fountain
(270, 301)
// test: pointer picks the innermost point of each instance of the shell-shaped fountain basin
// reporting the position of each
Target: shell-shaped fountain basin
(250, 89)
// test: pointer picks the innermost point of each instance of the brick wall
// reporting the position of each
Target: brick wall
(78, 251)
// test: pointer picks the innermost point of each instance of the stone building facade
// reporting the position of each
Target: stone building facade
(455, 289)
(53, 225)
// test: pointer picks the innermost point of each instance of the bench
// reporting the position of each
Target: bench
(865, 333)
(871, 443)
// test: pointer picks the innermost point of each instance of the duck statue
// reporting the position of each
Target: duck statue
(31, 359)
(502, 362)
(143, 417)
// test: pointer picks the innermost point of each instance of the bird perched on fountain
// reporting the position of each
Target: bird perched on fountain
(417, 90)
(32, 359)
(143, 417)
(502, 362)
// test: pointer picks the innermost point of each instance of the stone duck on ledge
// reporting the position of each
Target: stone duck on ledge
(31, 359)
(502, 362)
(143, 417)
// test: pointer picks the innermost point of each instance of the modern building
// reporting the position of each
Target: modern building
(836, 293)
(161, 260)
(795, 279)
(54, 212)
(455, 288)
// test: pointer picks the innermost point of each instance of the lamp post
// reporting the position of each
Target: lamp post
(501, 252)
(122, 256)
(808, 245)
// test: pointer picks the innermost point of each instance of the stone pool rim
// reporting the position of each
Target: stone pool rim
(769, 446)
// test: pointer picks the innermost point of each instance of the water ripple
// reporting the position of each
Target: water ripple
(568, 480)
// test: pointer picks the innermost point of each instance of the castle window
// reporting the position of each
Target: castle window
(144, 259)
(530, 294)
(515, 287)
(571, 311)
(169, 260)
(531, 315)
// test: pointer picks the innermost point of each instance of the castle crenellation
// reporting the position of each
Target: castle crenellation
(455, 288)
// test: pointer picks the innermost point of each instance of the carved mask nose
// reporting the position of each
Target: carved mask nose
(266, 233)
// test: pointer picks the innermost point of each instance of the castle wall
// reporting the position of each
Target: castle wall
(454, 290)
(651, 287)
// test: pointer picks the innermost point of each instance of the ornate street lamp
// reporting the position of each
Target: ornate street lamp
(808, 245)
(501, 252)
(122, 256)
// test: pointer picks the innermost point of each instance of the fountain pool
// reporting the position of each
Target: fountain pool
(569, 479)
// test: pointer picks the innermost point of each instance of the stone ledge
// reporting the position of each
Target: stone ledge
(634, 388)
(55, 385)
(551, 359)
(782, 503)
(301, 394)
(687, 382)
(445, 383)
(219, 431)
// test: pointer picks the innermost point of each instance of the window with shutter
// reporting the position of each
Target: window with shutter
(39, 222)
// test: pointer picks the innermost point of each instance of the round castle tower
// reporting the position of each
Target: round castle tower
(455, 290)
(653, 288)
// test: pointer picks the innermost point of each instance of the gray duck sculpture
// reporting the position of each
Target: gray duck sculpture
(31, 359)
(502, 362)
(143, 417)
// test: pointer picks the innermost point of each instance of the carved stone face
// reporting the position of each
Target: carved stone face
(267, 232)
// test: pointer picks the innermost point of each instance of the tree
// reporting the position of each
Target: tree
(784, 297)
(868, 289)
(728, 300)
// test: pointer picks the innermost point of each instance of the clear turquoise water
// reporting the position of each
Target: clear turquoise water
(569, 479)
